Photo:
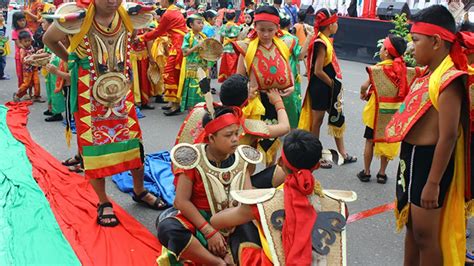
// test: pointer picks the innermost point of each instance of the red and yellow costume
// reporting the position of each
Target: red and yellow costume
(35, 8)
(108, 133)
(172, 23)
(142, 89)
(423, 95)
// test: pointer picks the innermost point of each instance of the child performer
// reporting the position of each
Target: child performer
(264, 58)
(142, 89)
(30, 73)
(324, 93)
(189, 81)
(229, 33)
(434, 130)
(19, 24)
(210, 29)
(387, 79)
(4, 48)
(290, 240)
(247, 26)
(298, 52)
(204, 175)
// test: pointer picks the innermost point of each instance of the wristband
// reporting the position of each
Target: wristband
(211, 234)
(202, 226)
(281, 108)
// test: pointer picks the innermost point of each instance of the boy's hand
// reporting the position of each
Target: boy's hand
(217, 245)
(274, 96)
(51, 69)
(287, 92)
(429, 195)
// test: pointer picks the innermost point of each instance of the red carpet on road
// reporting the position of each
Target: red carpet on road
(74, 205)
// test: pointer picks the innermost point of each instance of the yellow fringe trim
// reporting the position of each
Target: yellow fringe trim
(163, 259)
(401, 217)
(337, 132)
(469, 209)
(318, 189)
(68, 136)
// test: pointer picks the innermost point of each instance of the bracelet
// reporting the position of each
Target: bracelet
(211, 234)
(281, 108)
(202, 226)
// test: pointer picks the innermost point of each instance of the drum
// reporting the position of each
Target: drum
(211, 50)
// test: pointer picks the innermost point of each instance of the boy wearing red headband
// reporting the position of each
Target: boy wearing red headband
(286, 216)
(172, 23)
(324, 93)
(385, 90)
(205, 174)
(108, 132)
(433, 179)
(264, 59)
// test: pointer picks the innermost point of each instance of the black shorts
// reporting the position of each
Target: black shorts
(320, 94)
(369, 133)
(173, 235)
(413, 171)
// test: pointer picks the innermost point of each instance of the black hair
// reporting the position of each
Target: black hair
(327, 12)
(278, 2)
(252, 15)
(398, 43)
(160, 11)
(191, 19)
(219, 110)
(301, 15)
(285, 22)
(230, 16)
(467, 26)
(437, 15)
(267, 10)
(17, 16)
(208, 14)
(234, 90)
(24, 35)
(302, 149)
(248, 3)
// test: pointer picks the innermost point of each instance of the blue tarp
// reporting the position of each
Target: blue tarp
(158, 177)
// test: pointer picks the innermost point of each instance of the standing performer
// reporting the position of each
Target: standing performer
(324, 93)
(108, 133)
(264, 58)
(229, 33)
(172, 23)
(141, 84)
(433, 180)
(192, 62)
(33, 14)
(387, 86)
(247, 25)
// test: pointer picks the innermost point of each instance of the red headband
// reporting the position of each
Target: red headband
(322, 20)
(467, 40)
(221, 122)
(267, 17)
(431, 30)
(387, 43)
(300, 215)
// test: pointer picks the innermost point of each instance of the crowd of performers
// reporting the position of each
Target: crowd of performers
(104, 58)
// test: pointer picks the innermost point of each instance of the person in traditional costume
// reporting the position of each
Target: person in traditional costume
(4, 48)
(108, 132)
(173, 24)
(142, 88)
(192, 62)
(205, 173)
(385, 90)
(298, 53)
(324, 93)
(210, 29)
(264, 58)
(247, 25)
(433, 180)
(18, 25)
(302, 30)
(55, 100)
(289, 218)
(229, 33)
(33, 14)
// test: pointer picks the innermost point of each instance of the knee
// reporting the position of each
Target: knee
(425, 239)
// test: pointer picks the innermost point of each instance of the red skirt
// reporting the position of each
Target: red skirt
(228, 66)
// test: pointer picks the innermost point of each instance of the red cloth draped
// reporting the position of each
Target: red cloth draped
(74, 204)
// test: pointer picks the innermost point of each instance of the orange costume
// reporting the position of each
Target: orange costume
(35, 8)
(172, 23)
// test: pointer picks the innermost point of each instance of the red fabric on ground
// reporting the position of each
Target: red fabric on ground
(74, 204)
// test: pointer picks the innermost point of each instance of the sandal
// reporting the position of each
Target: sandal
(349, 159)
(159, 204)
(325, 164)
(381, 179)
(363, 177)
(72, 161)
(113, 220)
(75, 168)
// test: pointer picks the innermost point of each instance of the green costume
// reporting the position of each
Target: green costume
(191, 63)
(56, 100)
(293, 101)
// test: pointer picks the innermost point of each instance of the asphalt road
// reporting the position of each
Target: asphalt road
(372, 241)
